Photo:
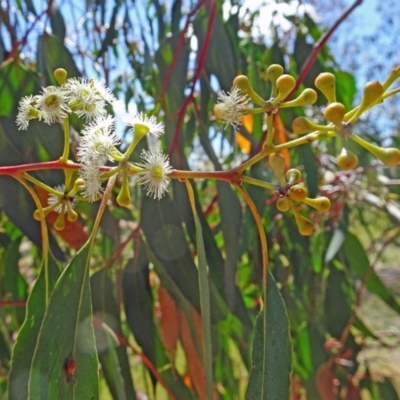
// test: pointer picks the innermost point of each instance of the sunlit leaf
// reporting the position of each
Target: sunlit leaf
(270, 374)
(26, 343)
(66, 336)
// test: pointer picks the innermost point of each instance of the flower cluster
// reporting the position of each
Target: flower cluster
(99, 143)
(86, 99)
(291, 192)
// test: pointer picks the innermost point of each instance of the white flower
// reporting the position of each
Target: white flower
(98, 142)
(61, 200)
(91, 175)
(154, 178)
(87, 98)
(155, 127)
(231, 107)
(26, 112)
(52, 104)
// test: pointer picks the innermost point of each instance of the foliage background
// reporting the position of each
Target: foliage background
(170, 59)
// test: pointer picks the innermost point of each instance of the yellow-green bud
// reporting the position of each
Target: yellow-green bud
(301, 125)
(335, 113)
(325, 83)
(306, 228)
(307, 97)
(274, 71)
(285, 84)
(293, 176)
(320, 203)
(61, 75)
(242, 82)
(347, 160)
(297, 193)
(282, 204)
(277, 163)
(372, 91)
(59, 225)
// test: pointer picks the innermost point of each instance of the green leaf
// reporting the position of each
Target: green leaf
(219, 48)
(270, 374)
(138, 301)
(112, 356)
(53, 54)
(346, 88)
(204, 285)
(14, 285)
(25, 345)
(15, 81)
(57, 22)
(334, 245)
(359, 263)
(167, 240)
(66, 335)
(231, 220)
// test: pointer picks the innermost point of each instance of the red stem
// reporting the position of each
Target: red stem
(24, 39)
(4, 303)
(98, 323)
(179, 46)
(198, 72)
(318, 47)
(15, 169)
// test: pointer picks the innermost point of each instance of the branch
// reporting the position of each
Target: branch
(318, 47)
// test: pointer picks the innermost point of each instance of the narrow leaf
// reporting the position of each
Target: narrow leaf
(113, 357)
(66, 339)
(359, 263)
(204, 296)
(27, 338)
(270, 374)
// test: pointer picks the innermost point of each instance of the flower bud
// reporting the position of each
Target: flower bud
(61, 75)
(59, 225)
(277, 163)
(274, 71)
(285, 84)
(124, 195)
(242, 82)
(293, 176)
(301, 125)
(282, 204)
(325, 82)
(335, 113)
(389, 156)
(372, 91)
(347, 160)
(297, 193)
(320, 203)
(307, 97)
(306, 228)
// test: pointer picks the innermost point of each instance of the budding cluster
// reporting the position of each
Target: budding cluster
(340, 122)
(291, 192)
(232, 106)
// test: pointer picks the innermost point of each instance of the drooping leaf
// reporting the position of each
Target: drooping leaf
(334, 245)
(15, 81)
(112, 356)
(53, 54)
(26, 343)
(270, 374)
(231, 221)
(66, 339)
(359, 263)
(57, 22)
(138, 302)
(14, 285)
